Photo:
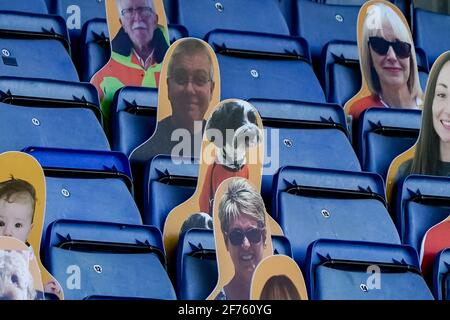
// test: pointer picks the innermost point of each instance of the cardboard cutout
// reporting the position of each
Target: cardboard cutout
(388, 63)
(20, 278)
(435, 240)
(140, 39)
(20, 171)
(232, 147)
(242, 236)
(430, 154)
(278, 277)
(189, 89)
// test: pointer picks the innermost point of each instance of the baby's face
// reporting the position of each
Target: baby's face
(15, 219)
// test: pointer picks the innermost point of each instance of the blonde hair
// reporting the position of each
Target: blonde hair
(377, 16)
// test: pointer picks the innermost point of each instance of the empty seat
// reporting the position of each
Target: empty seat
(441, 275)
(348, 270)
(303, 134)
(321, 23)
(87, 185)
(95, 48)
(35, 46)
(341, 73)
(76, 13)
(422, 66)
(45, 113)
(422, 202)
(197, 265)
(91, 259)
(203, 16)
(34, 6)
(313, 203)
(133, 117)
(197, 272)
(384, 133)
(177, 31)
(427, 31)
(265, 66)
(166, 179)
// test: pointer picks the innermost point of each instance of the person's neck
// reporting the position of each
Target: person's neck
(144, 52)
(238, 289)
(398, 97)
(445, 151)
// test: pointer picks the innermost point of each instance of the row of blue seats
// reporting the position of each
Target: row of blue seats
(90, 40)
(332, 201)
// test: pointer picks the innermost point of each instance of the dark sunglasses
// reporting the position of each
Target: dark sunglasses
(381, 46)
(237, 236)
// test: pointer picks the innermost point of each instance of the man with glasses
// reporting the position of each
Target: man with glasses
(242, 219)
(138, 50)
(190, 86)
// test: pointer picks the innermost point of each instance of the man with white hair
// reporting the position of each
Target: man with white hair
(138, 50)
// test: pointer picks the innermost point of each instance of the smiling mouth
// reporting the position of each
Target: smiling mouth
(446, 124)
(247, 257)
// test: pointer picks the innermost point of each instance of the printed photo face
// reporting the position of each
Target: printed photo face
(242, 235)
(388, 63)
(22, 211)
(278, 277)
(441, 106)
(139, 41)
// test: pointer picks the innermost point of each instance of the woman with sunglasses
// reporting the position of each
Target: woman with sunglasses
(388, 62)
(243, 225)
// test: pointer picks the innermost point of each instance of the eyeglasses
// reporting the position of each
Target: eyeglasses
(237, 236)
(381, 46)
(182, 78)
(142, 11)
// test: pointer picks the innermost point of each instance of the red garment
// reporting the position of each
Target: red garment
(436, 239)
(360, 105)
(215, 174)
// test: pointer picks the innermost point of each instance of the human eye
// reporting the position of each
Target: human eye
(2, 223)
(441, 94)
(18, 225)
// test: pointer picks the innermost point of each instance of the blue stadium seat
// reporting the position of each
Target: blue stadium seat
(35, 46)
(422, 66)
(441, 275)
(303, 134)
(265, 66)
(76, 13)
(95, 48)
(422, 202)
(203, 16)
(196, 265)
(427, 31)
(321, 23)
(348, 270)
(45, 113)
(105, 259)
(341, 73)
(384, 133)
(87, 186)
(314, 203)
(196, 271)
(168, 180)
(177, 31)
(133, 117)
(34, 6)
